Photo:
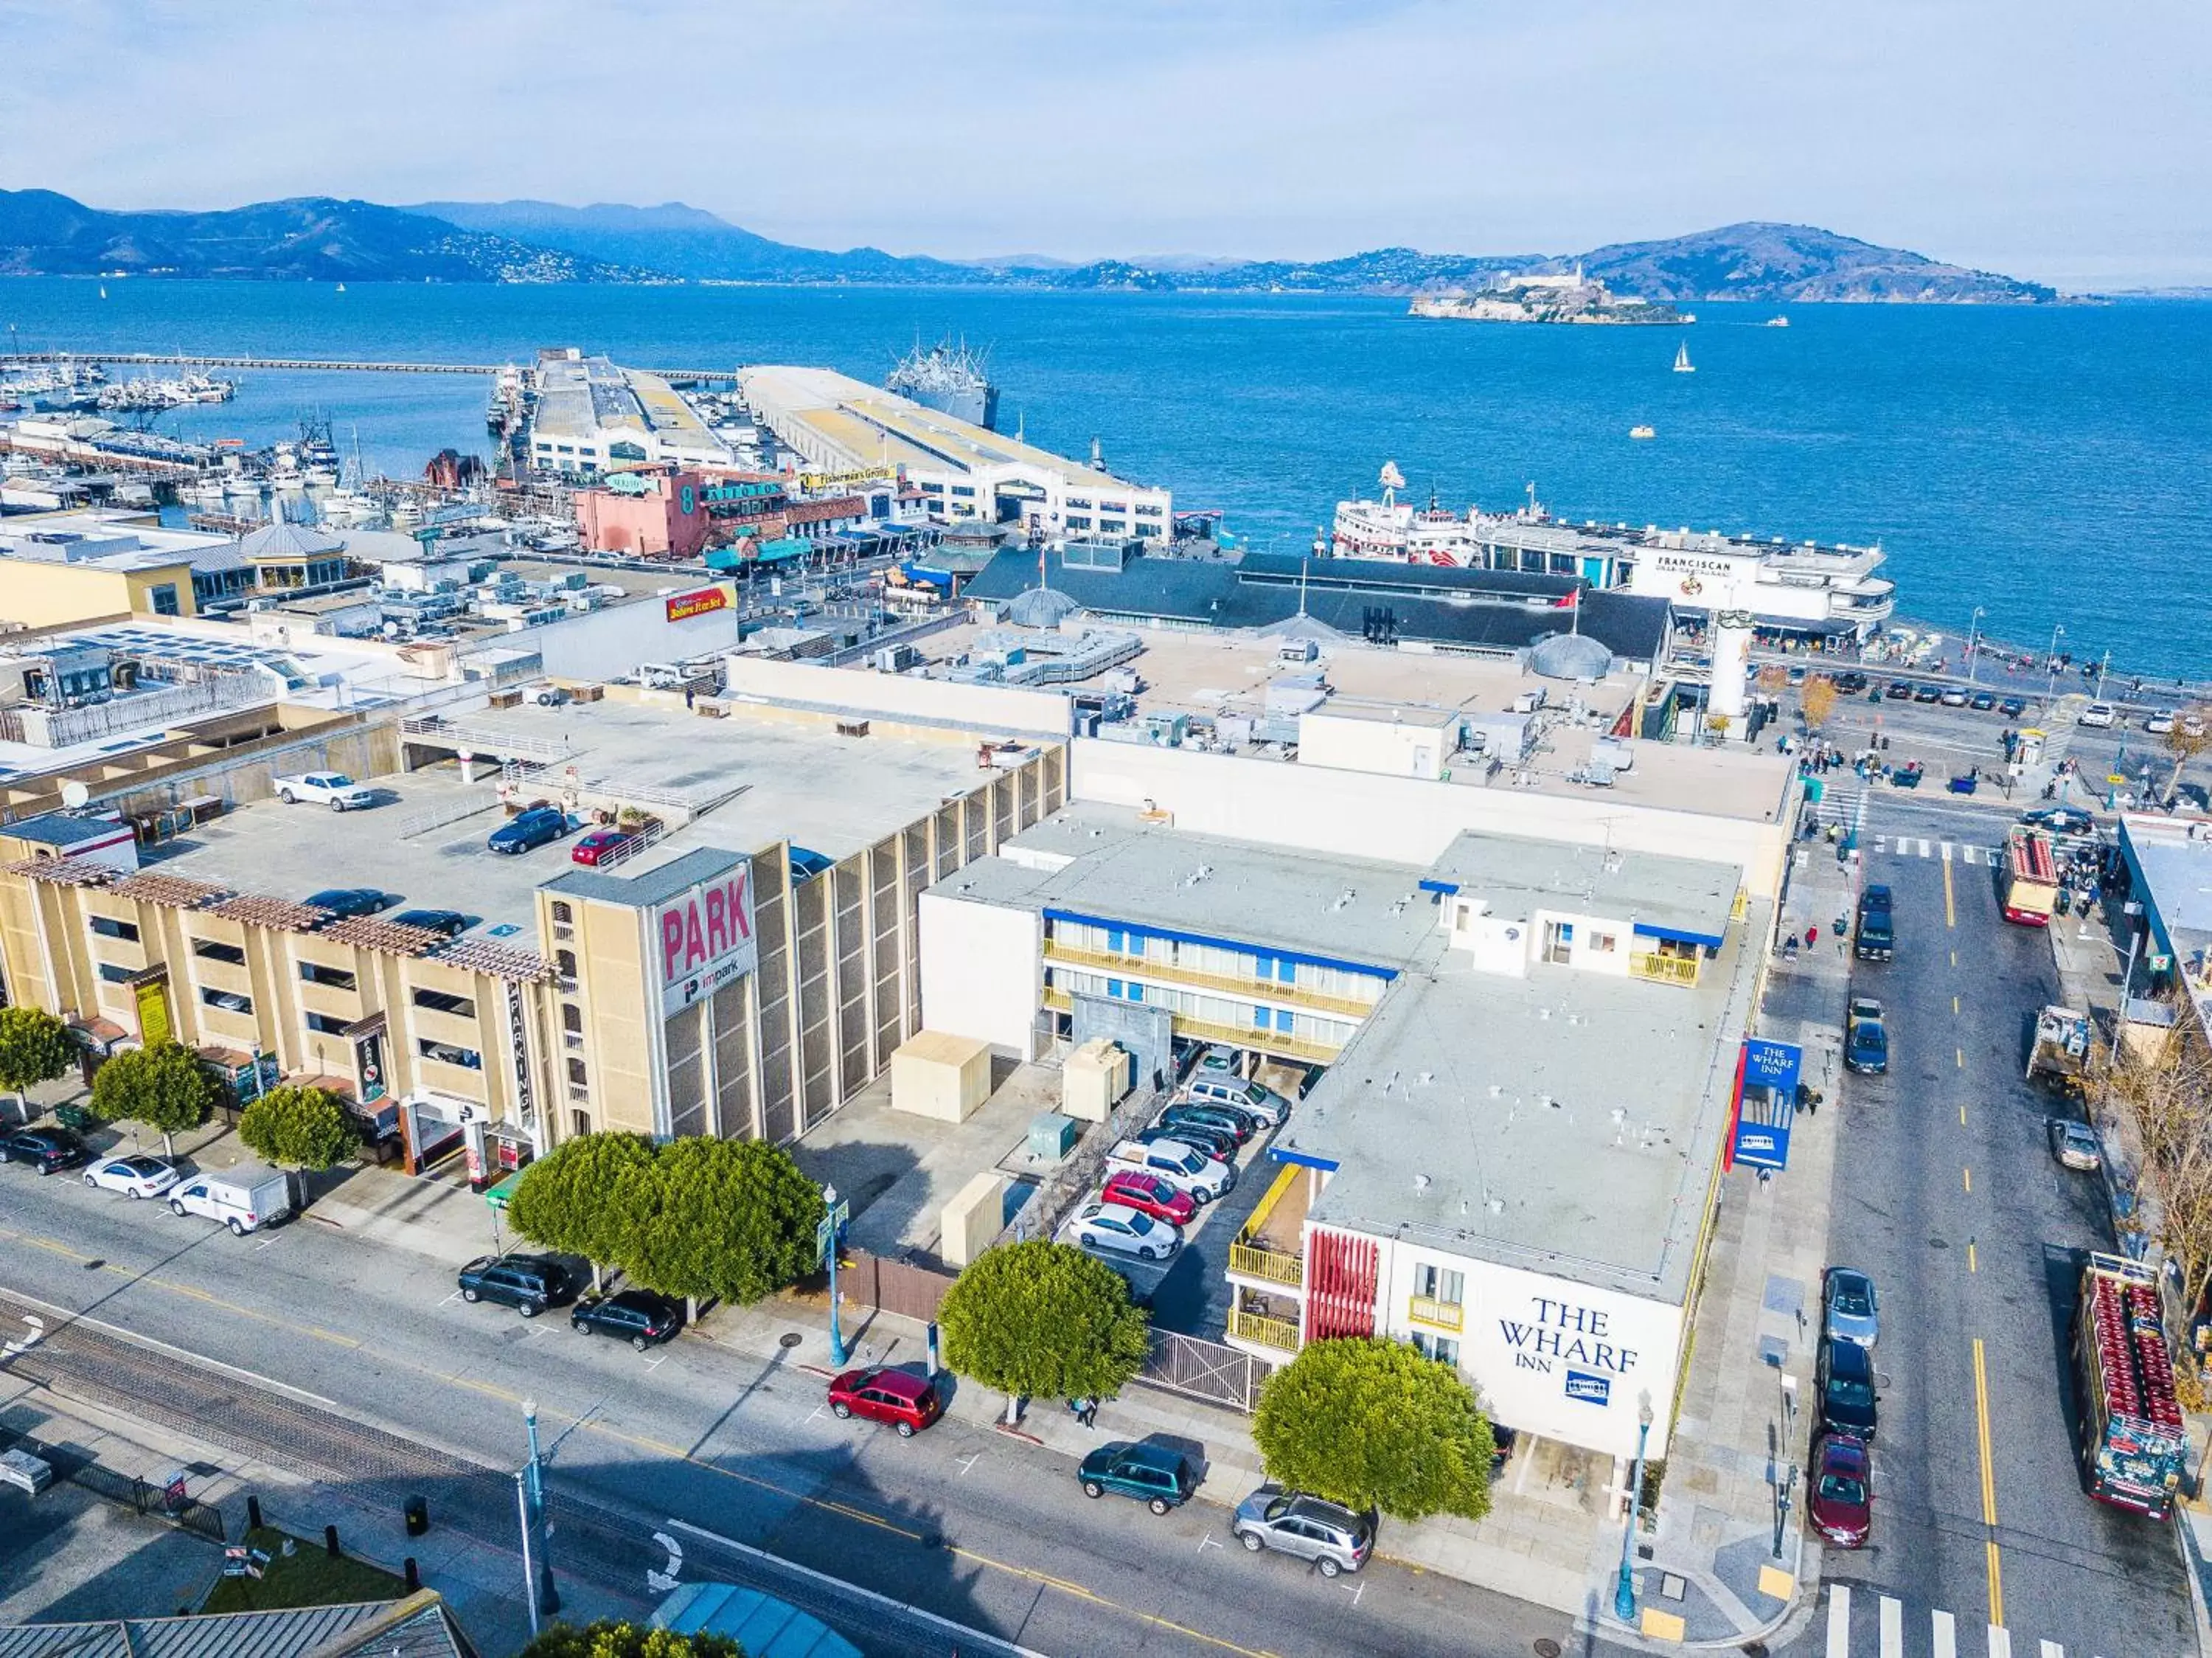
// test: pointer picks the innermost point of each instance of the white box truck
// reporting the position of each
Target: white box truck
(243, 1199)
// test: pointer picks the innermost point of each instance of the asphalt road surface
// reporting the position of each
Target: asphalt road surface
(1949, 1198)
(409, 1389)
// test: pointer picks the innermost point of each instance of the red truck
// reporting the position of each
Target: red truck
(2133, 1447)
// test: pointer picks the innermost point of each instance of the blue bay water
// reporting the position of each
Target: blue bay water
(2051, 465)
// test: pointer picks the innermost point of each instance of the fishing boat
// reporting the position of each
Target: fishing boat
(1682, 365)
(1643, 431)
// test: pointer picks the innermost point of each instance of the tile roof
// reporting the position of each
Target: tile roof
(66, 872)
(172, 892)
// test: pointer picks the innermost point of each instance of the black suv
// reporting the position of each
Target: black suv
(45, 1148)
(528, 1283)
(636, 1316)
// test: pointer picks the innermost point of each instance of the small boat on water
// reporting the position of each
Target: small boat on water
(1644, 431)
(342, 287)
(1777, 322)
(1682, 364)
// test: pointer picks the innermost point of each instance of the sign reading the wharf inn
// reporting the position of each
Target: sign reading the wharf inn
(703, 938)
(1576, 1343)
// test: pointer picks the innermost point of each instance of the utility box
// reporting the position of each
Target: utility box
(976, 1214)
(938, 1075)
(1052, 1136)
(1096, 1075)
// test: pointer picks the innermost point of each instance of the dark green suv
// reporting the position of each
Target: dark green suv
(1157, 1476)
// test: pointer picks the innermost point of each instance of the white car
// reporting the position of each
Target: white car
(2100, 715)
(2159, 721)
(1118, 1228)
(332, 788)
(134, 1177)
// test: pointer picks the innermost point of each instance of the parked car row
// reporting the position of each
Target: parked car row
(1840, 1498)
(1156, 1181)
(244, 1199)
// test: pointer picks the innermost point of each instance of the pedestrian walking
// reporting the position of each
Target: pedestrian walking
(1812, 936)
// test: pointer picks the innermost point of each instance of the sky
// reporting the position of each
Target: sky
(2066, 143)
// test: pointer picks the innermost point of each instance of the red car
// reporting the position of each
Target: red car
(1841, 1500)
(1148, 1194)
(900, 1398)
(600, 844)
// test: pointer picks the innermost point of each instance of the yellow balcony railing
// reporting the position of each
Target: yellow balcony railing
(1275, 1042)
(1437, 1315)
(1273, 1265)
(1284, 1179)
(1279, 1333)
(1260, 989)
(1667, 969)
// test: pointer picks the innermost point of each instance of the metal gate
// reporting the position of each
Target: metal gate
(1203, 1369)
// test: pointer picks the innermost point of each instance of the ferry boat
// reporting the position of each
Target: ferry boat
(1804, 588)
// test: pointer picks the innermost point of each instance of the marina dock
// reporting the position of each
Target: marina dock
(304, 365)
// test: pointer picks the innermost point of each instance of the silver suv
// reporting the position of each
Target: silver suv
(1331, 1536)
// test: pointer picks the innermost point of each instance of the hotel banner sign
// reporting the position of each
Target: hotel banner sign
(703, 938)
(682, 607)
(1766, 1102)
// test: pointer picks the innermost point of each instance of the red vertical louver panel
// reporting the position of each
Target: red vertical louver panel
(1340, 1286)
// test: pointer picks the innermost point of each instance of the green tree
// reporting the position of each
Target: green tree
(300, 1128)
(730, 1219)
(566, 1200)
(1371, 1424)
(609, 1639)
(164, 1087)
(34, 1048)
(1043, 1321)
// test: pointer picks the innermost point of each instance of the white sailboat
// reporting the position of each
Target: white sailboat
(1682, 364)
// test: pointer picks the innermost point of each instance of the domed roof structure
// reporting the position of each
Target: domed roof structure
(1041, 607)
(288, 541)
(1570, 656)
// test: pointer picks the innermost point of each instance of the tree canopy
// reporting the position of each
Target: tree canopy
(1043, 1321)
(730, 1219)
(726, 1219)
(300, 1128)
(609, 1639)
(566, 1199)
(34, 1048)
(164, 1087)
(1371, 1424)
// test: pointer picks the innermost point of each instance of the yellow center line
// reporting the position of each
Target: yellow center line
(1954, 958)
(1962, 1117)
(1967, 1175)
(169, 1286)
(1970, 1266)
(1988, 1483)
(1950, 913)
(1954, 1007)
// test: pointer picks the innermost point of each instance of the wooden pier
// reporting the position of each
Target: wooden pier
(299, 365)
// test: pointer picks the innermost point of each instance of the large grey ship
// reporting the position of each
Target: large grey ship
(949, 379)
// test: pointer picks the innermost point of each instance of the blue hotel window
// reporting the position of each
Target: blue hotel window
(1113, 987)
(1259, 1018)
(1283, 1020)
(1117, 940)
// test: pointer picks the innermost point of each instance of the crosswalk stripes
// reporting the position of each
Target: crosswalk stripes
(1892, 1638)
(1950, 851)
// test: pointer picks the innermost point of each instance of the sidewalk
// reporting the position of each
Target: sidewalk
(1708, 1574)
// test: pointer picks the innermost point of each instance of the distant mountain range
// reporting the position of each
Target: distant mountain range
(45, 234)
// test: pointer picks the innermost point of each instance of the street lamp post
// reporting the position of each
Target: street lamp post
(837, 1354)
(1624, 1597)
(1974, 648)
(2051, 663)
(546, 1600)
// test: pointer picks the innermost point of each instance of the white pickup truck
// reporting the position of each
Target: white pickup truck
(332, 788)
(245, 1199)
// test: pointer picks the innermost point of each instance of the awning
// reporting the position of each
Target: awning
(1710, 940)
(499, 1196)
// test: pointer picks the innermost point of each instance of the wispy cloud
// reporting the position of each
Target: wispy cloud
(2029, 134)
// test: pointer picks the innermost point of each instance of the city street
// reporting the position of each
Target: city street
(983, 1528)
(1951, 1200)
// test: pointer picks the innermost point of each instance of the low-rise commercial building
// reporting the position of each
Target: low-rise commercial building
(590, 417)
(852, 431)
(702, 978)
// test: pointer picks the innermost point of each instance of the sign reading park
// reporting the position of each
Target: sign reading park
(703, 938)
